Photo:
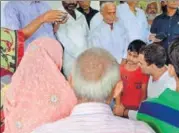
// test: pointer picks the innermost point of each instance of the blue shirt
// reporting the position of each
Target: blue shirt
(19, 14)
(167, 25)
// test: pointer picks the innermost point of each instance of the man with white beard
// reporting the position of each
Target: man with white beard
(110, 33)
(151, 12)
(73, 34)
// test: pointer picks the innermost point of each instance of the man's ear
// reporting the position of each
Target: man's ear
(153, 66)
(118, 89)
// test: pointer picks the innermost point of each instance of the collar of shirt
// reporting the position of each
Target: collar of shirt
(165, 13)
(91, 108)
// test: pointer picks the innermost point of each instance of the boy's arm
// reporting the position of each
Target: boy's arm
(145, 79)
(144, 92)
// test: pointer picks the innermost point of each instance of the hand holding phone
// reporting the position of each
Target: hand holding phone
(63, 17)
(153, 38)
(161, 36)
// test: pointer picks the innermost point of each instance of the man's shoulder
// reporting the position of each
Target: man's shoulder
(137, 126)
(140, 10)
(54, 127)
(80, 14)
(159, 17)
(170, 81)
(74, 124)
(12, 4)
(94, 10)
(45, 4)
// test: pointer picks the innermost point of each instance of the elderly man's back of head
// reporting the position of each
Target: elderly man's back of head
(94, 75)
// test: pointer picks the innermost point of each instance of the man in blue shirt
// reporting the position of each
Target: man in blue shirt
(19, 14)
(165, 27)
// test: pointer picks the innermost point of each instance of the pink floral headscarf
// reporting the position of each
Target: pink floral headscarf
(38, 93)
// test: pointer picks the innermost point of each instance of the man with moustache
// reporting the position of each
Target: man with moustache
(151, 12)
(98, 18)
(72, 34)
(110, 34)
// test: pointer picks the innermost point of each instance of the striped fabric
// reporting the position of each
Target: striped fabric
(94, 118)
(162, 113)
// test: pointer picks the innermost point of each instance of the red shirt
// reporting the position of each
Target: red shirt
(132, 87)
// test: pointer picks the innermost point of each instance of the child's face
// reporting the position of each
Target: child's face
(132, 57)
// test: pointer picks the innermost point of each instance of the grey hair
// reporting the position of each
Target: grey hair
(90, 89)
(105, 3)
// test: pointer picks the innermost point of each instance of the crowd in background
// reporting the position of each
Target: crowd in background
(77, 69)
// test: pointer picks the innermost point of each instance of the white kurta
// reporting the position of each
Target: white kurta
(95, 21)
(73, 36)
(136, 25)
(115, 41)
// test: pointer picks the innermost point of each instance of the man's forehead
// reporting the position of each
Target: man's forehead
(110, 6)
(133, 53)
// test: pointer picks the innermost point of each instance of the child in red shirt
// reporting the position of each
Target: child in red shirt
(134, 81)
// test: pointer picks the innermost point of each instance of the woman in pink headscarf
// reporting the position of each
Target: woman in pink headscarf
(38, 93)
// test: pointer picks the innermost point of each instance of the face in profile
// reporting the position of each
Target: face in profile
(84, 4)
(172, 4)
(109, 13)
(132, 57)
(143, 64)
(70, 4)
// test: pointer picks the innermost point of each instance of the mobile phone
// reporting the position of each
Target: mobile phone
(161, 36)
(63, 17)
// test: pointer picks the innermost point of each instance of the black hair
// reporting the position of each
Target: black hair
(173, 53)
(136, 45)
(154, 54)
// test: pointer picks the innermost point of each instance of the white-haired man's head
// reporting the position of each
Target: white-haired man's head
(94, 75)
(108, 11)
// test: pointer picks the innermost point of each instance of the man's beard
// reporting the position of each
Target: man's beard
(151, 16)
(72, 6)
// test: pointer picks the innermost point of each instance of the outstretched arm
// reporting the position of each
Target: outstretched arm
(48, 17)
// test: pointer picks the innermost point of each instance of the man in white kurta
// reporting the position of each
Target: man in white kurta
(73, 35)
(110, 34)
(97, 19)
(135, 21)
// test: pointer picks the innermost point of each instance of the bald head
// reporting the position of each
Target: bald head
(108, 11)
(94, 75)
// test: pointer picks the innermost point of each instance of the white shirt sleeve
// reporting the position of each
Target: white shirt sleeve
(132, 114)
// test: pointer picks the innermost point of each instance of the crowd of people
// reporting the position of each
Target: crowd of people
(77, 69)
